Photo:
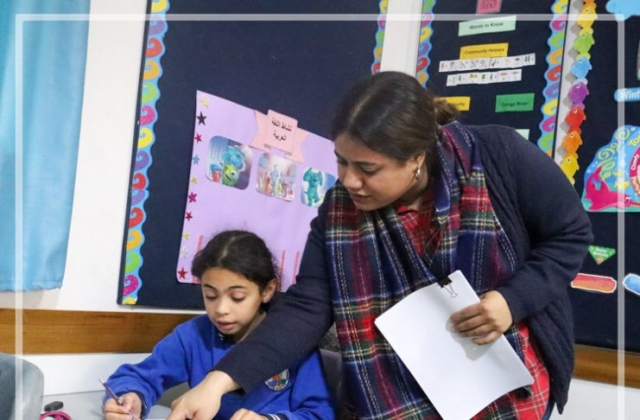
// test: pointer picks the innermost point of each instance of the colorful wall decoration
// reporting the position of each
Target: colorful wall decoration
(579, 90)
(600, 154)
(499, 65)
(496, 65)
(612, 180)
(275, 64)
(253, 171)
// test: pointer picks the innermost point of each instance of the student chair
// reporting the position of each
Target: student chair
(32, 388)
(332, 367)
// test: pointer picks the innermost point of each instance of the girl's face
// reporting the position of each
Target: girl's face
(232, 302)
(374, 180)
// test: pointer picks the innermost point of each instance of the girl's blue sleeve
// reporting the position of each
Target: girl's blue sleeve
(164, 368)
(310, 396)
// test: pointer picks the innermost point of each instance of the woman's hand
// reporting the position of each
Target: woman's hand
(486, 320)
(131, 406)
(203, 401)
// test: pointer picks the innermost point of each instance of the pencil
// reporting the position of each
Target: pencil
(114, 396)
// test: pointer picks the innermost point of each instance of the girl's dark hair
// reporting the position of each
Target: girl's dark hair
(392, 114)
(242, 252)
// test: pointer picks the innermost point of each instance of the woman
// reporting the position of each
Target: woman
(415, 202)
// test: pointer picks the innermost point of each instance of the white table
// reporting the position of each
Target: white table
(88, 406)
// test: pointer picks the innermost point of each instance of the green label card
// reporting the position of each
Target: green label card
(515, 102)
(486, 26)
(600, 253)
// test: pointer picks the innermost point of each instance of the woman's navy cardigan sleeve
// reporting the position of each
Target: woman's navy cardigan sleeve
(296, 322)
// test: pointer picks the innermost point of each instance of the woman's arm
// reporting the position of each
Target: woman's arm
(558, 229)
(546, 223)
(295, 324)
(203, 401)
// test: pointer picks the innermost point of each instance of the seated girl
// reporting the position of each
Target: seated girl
(238, 278)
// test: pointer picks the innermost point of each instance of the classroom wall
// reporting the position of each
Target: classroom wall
(99, 210)
(106, 135)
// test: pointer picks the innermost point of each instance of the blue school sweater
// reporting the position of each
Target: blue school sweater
(192, 350)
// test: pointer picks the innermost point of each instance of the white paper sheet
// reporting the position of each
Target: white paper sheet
(459, 377)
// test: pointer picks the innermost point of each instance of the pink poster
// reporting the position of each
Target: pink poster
(253, 171)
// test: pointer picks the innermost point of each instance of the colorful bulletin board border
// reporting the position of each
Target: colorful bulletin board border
(377, 50)
(156, 201)
(424, 46)
(578, 91)
(146, 137)
(553, 76)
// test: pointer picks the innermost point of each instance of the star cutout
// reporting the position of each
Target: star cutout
(194, 179)
(189, 216)
(186, 236)
(182, 273)
(201, 118)
(192, 197)
(198, 138)
(204, 101)
(621, 185)
(196, 159)
(184, 252)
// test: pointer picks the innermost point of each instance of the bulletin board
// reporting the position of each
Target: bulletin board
(508, 71)
(500, 61)
(603, 165)
(300, 69)
(233, 53)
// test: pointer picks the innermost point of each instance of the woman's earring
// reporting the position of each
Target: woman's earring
(418, 173)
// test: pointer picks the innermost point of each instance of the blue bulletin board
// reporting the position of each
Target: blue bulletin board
(259, 55)
(605, 173)
(300, 68)
(502, 62)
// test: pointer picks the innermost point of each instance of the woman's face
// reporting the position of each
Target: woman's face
(374, 180)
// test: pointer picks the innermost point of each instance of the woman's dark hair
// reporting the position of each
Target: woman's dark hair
(242, 252)
(392, 114)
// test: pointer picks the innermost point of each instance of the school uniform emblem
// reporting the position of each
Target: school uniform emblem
(278, 382)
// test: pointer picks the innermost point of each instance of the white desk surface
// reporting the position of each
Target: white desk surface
(88, 406)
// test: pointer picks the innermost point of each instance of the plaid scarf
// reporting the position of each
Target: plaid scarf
(373, 265)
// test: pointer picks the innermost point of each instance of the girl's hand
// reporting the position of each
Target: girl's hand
(131, 406)
(244, 414)
(203, 401)
(486, 320)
